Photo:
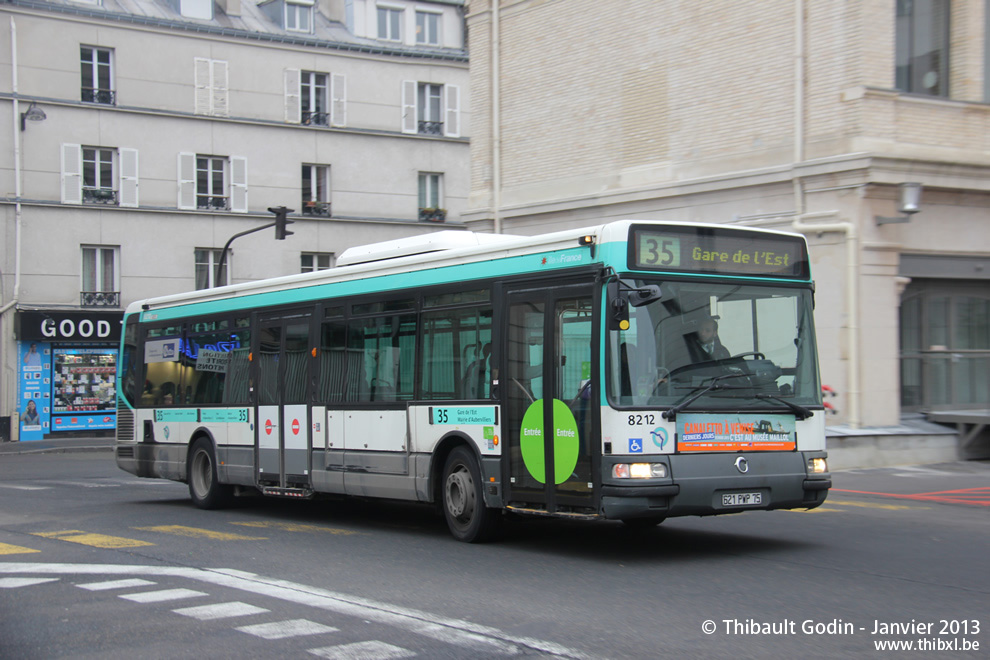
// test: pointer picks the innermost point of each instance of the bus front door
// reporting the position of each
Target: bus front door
(548, 396)
(282, 380)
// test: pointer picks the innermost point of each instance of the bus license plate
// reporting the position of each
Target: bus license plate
(742, 499)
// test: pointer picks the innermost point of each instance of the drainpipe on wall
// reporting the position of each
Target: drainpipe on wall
(496, 119)
(5, 381)
(801, 224)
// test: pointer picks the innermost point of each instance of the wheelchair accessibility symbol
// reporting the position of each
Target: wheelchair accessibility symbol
(635, 445)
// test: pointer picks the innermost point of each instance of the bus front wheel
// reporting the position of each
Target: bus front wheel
(464, 507)
(204, 486)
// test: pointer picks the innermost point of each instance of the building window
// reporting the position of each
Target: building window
(316, 190)
(210, 80)
(427, 28)
(313, 261)
(431, 197)
(922, 47)
(215, 183)
(313, 98)
(97, 75)
(211, 183)
(98, 175)
(430, 109)
(207, 260)
(298, 17)
(390, 23)
(99, 276)
(428, 105)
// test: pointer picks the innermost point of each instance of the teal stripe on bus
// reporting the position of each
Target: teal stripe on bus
(525, 264)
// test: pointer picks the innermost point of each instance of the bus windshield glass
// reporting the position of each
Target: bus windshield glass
(755, 342)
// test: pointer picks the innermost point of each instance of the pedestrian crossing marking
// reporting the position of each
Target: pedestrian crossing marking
(8, 549)
(295, 527)
(115, 584)
(197, 533)
(94, 540)
(162, 595)
(14, 583)
(285, 629)
(220, 611)
(363, 651)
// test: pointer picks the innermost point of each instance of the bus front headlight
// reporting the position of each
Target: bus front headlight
(639, 470)
(817, 466)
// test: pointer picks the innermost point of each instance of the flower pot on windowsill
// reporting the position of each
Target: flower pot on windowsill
(432, 215)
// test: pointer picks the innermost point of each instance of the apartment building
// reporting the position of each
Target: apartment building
(145, 134)
(789, 114)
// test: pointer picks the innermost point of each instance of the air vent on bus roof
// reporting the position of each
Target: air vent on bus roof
(426, 243)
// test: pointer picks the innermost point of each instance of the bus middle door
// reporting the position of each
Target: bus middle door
(283, 378)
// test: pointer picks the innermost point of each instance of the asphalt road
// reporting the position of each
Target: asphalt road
(97, 563)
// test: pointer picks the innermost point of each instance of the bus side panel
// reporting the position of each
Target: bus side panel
(376, 458)
(235, 449)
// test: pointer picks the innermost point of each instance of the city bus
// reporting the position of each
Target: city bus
(633, 371)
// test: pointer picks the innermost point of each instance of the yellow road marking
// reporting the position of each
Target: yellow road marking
(94, 540)
(8, 549)
(295, 527)
(875, 505)
(196, 533)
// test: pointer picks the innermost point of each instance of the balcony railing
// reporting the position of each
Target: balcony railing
(315, 118)
(316, 208)
(99, 298)
(103, 96)
(432, 215)
(431, 127)
(213, 202)
(99, 196)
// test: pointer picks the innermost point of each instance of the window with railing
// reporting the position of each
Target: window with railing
(211, 183)
(316, 190)
(99, 175)
(429, 104)
(100, 286)
(96, 66)
(313, 98)
(431, 197)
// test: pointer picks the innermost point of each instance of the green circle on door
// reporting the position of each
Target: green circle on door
(566, 442)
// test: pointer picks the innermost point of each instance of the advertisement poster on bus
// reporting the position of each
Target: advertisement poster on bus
(735, 432)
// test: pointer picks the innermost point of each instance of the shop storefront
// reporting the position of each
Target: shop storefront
(67, 362)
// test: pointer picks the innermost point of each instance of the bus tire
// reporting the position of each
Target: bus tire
(205, 488)
(463, 501)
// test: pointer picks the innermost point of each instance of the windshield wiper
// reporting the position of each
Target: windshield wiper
(716, 384)
(802, 412)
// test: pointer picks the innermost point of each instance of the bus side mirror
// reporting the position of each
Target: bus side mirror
(618, 307)
(644, 296)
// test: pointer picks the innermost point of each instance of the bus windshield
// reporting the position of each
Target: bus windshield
(756, 342)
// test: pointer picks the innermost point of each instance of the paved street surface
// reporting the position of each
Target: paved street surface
(96, 563)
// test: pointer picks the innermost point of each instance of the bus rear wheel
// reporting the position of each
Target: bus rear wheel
(205, 488)
(464, 507)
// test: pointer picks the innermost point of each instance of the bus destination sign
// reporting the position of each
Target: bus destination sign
(716, 250)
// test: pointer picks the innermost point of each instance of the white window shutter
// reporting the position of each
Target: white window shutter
(338, 99)
(128, 177)
(293, 96)
(71, 174)
(410, 122)
(452, 120)
(187, 181)
(220, 97)
(238, 184)
(201, 74)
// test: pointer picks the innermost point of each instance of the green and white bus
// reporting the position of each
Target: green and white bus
(558, 375)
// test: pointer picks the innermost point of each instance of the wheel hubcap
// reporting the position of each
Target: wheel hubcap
(460, 493)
